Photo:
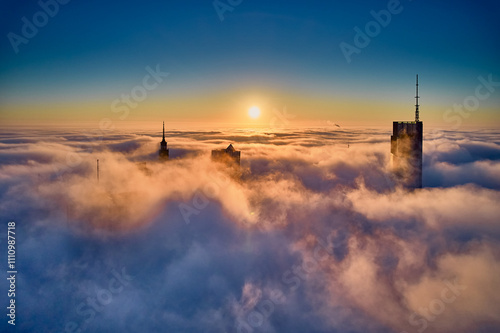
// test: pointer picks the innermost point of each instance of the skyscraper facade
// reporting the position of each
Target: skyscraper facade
(406, 149)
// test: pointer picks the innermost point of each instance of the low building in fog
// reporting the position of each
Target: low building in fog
(228, 155)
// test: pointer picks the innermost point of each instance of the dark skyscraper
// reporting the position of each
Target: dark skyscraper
(406, 149)
(163, 147)
(228, 155)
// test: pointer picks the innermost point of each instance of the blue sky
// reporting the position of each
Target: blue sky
(93, 51)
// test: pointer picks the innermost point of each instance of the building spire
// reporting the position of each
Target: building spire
(417, 112)
(163, 146)
(163, 141)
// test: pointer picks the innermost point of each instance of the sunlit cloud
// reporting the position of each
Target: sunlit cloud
(313, 233)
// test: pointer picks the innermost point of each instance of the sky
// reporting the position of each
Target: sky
(313, 232)
(311, 236)
(222, 59)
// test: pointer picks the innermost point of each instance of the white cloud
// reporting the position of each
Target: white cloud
(248, 236)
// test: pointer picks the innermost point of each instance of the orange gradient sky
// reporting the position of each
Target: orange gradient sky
(278, 109)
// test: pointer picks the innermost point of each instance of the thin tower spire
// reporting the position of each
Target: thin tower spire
(98, 170)
(417, 112)
(163, 146)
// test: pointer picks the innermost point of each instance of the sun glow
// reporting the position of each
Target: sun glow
(254, 112)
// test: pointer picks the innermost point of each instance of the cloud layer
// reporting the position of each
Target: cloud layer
(312, 235)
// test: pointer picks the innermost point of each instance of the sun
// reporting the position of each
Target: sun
(254, 112)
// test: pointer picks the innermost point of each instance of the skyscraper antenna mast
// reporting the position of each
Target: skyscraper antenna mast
(98, 170)
(417, 112)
